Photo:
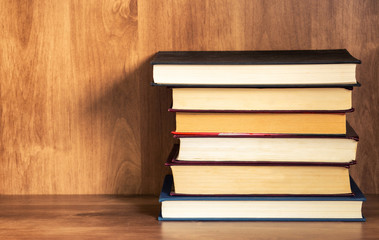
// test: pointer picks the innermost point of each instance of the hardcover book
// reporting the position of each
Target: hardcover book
(254, 178)
(267, 99)
(266, 148)
(318, 68)
(260, 208)
(261, 122)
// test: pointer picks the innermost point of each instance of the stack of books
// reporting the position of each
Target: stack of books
(263, 136)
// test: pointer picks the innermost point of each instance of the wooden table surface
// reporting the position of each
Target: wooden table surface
(121, 217)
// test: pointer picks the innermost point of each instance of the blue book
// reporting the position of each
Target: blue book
(260, 208)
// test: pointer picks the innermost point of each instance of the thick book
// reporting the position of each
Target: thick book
(260, 208)
(254, 178)
(297, 68)
(266, 122)
(268, 148)
(268, 99)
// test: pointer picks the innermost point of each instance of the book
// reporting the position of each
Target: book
(252, 178)
(266, 148)
(261, 122)
(255, 68)
(260, 208)
(269, 99)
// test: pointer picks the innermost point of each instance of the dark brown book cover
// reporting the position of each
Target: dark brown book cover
(335, 56)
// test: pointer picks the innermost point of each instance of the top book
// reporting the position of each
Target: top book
(297, 68)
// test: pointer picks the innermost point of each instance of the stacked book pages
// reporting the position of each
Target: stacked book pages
(263, 136)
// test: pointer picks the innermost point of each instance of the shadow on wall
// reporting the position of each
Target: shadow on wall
(111, 125)
(127, 129)
(156, 126)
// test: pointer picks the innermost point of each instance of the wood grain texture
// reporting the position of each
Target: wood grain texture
(69, 107)
(110, 217)
(77, 113)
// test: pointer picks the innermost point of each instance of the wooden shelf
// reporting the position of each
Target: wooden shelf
(121, 217)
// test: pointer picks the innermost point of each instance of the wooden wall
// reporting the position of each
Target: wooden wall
(77, 113)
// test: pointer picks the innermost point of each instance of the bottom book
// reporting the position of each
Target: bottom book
(260, 208)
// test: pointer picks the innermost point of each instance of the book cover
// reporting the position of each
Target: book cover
(335, 56)
(168, 184)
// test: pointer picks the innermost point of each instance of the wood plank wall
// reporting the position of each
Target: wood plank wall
(77, 113)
